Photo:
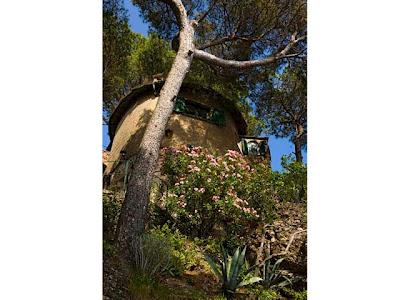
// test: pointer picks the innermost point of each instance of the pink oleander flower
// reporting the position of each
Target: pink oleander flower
(215, 198)
(210, 157)
(202, 190)
(214, 163)
(176, 184)
(232, 154)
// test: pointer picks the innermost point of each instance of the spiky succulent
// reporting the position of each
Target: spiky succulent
(229, 268)
(272, 277)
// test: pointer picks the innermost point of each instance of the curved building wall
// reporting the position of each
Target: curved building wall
(185, 129)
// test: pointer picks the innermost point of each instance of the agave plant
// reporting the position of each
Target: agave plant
(229, 269)
(272, 277)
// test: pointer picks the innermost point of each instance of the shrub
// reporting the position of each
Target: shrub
(233, 271)
(207, 191)
(154, 255)
(268, 295)
(295, 295)
(185, 254)
(291, 184)
(111, 211)
(144, 287)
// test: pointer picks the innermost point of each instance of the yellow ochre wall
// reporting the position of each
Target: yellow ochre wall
(185, 129)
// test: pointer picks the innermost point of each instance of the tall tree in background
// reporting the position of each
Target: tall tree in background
(231, 36)
(282, 102)
(117, 47)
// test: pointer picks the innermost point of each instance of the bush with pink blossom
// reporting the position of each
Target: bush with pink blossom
(208, 192)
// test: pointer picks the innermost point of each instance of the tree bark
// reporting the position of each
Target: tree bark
(132, 220)
(297, 143)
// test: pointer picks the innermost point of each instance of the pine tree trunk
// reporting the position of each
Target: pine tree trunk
(297, 151)
(131, 224)
(297, 143)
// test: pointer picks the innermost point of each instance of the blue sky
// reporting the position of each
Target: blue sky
(278, 147)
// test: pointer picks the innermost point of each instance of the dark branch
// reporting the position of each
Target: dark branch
(205, 14)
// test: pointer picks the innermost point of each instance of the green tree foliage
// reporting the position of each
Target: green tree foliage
(236, 29)
(233, 30)
(150, 56)
(117, 47)
(291, 183)
(281, 101)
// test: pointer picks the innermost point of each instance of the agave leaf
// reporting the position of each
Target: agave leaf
(234, 262)
(233, 265)
(228, 268)
(242, 257)
(214, 267)
(238, 267)
(282, 284)
(276, 265)
(287, 279)
(225, 264)
(249, 281)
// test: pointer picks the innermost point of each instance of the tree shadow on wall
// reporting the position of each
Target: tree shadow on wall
(196, 133)
(132, 146)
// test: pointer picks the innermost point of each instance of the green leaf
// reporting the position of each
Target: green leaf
(234, 262)
(249, 281)
(238, 267)
(214, 267)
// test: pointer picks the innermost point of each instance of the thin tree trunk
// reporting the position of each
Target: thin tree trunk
(297, 143)
(297, 150)
(132, 220)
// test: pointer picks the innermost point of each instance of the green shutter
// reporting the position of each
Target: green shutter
(218, 117)
(245, 150)
(180, 105)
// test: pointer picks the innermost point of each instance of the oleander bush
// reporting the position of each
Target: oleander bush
(207, 192)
